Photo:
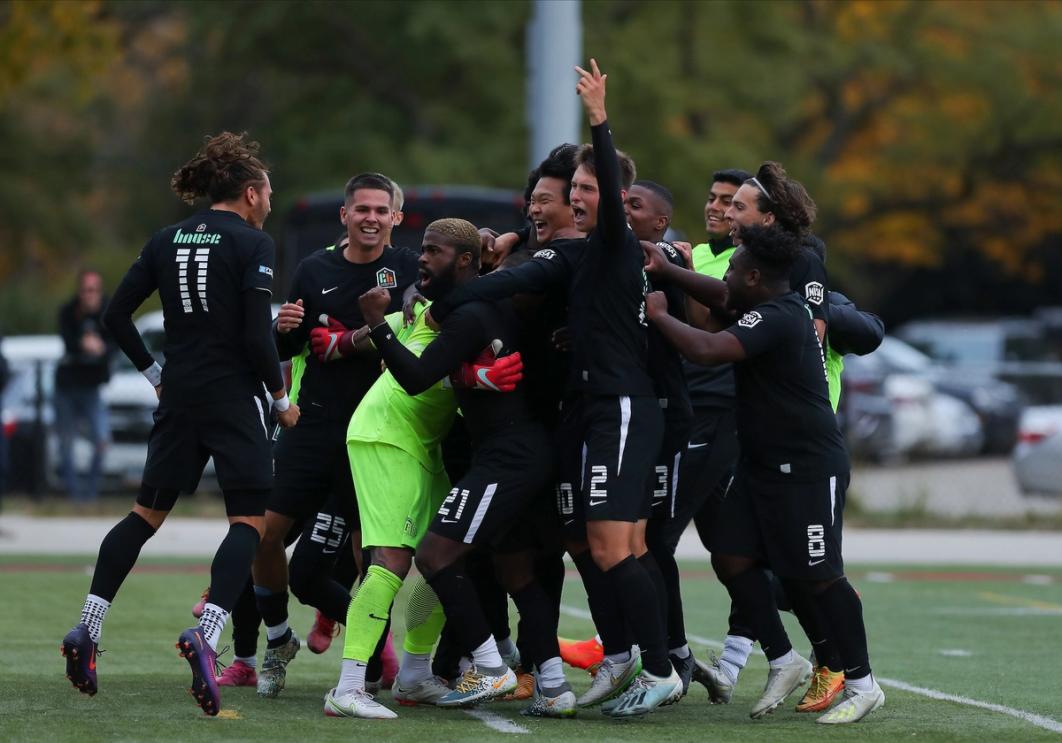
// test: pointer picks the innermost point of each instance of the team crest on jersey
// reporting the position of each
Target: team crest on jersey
(386, 278)
(546, 253)
(201, 228)
(814, 292)
(750, 319)
(668, 248)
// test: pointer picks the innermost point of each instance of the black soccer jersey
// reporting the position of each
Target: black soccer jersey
(201, 267)
(606, 284)
(665, 362)
(808, 279)
(785, 422)
(465, 335)
(329, 284)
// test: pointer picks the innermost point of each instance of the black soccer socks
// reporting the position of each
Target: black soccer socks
(118, 553)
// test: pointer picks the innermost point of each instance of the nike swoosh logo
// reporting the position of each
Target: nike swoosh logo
(596, 502)
(697, 446)
(373, 616)
(329, 291)
(481, 375)
(812, 564)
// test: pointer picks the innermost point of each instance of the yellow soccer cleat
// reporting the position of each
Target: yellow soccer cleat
(825, 686)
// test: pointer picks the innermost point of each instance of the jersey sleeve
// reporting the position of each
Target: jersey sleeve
(258, 273)
(548, 268)
(808, 279)
(137, 285)
(460, 338)
(611, 219)
(763, 329)
(293, 342)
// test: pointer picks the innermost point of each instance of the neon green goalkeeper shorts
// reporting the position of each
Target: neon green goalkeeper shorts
(397, 496)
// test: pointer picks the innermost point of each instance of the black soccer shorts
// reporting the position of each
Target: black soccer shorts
(312, 469)
(234, 433)
(507, 472)
(664, 480)
(607, 449)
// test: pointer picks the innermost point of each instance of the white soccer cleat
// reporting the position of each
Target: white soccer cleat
(715, 680)
(358, 703)
(781, 682)
(612, 679)
(474, 687)
(646, 694)
(425, 691)
(855, 706)
(559, 706)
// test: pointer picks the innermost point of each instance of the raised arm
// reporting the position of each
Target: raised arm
(611, 219)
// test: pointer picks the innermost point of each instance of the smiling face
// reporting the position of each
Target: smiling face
(368, 217)
(548, 210)
(719, 198)
(744, 210)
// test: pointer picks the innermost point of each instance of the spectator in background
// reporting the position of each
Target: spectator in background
(84, 368)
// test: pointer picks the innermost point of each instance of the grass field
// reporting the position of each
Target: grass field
(987, 636)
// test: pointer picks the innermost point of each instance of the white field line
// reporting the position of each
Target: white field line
(1038, 720)
(496, 722)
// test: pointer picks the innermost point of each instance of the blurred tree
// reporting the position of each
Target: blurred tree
(925, 130)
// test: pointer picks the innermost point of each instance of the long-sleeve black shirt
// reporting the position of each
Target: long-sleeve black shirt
(465, 335)
(214, 275)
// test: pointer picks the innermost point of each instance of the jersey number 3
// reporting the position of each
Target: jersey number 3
(198, 261)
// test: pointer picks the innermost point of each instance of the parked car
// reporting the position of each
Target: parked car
(896, 403)
(29, 418)
(997, 404)
(1037, 460)
(1019, 350)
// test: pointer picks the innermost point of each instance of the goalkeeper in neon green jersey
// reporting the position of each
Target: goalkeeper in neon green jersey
(393, 442)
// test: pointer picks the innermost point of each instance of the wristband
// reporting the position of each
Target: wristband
(282, 405)
(153, 374)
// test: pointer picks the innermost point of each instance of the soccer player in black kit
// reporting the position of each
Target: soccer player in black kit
(612, 408)
(214, 273)
(793, 467)
(511, 466)
(311, 461)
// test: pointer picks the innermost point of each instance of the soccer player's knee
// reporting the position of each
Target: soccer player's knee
(728, 567)
(429, 564)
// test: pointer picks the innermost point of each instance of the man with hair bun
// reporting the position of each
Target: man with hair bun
(214, 275)
(793, 470)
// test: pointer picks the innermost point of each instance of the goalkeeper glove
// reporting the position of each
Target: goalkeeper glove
(489, 372)
(332, 342)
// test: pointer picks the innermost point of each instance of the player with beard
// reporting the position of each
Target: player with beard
(510, 467)
(612, 410)
(214, 274)
(793, 468)
(311, 463)
(393, 443)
